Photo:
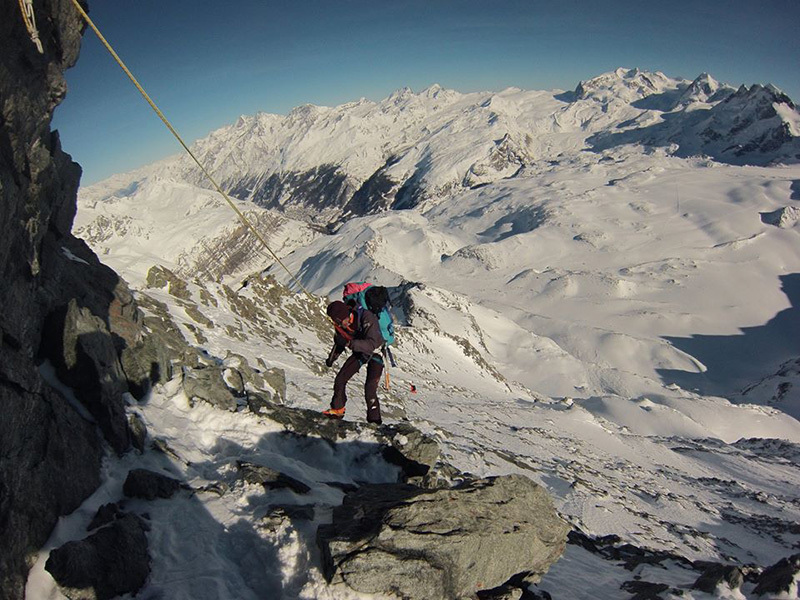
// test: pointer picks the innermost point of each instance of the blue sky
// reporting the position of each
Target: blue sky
(205, 62)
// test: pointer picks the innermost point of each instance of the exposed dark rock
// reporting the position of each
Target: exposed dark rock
(162, 278)
(138, 431)
(716, 574)
(644, 590)
(154, 358)
(630, 555)
(113, 561)
(49, 463)
(270, 478)
(504, 592)
(322, 188)
(375, 194)
(258, 403)
(240, 377)
(778, 578)
(416, 453)
(447, 543)
(49, 454)
(149, 485)
(82, 350)
(105, 515)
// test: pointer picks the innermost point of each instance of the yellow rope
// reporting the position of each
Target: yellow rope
(185, 147)
(26, 6)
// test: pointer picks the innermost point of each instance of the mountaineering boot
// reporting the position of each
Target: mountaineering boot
(334, 413)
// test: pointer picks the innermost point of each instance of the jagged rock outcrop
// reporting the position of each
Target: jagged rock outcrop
(444, 543)
(779, 579)
(65, 316)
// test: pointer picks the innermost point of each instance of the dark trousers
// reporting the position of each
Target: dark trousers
(350, 367)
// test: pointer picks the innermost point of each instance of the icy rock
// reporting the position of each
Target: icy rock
(113, 561)
(446, 543)
(149, 485)
(779, 578)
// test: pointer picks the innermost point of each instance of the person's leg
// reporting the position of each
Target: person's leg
(374, 372)
(349, 368)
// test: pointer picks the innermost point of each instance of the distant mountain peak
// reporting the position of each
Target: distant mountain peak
(623, 84)
(704, 89)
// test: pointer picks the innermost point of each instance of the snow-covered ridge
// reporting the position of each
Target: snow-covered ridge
(322, 164)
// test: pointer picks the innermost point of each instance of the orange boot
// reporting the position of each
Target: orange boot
(334, 413)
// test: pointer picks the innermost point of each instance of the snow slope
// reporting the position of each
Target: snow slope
(618, 322)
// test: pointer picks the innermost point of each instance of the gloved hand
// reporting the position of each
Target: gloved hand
(329, 362)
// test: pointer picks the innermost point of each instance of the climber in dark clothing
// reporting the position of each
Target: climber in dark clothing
(359, 331)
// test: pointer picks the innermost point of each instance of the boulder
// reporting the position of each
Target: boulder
(110, 562)
(442, 544)
(715, 575)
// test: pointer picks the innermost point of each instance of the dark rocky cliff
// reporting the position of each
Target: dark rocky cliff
(64, 315)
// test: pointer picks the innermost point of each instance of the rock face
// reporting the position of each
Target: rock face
(62, 311)
(445, 543)
(113, 561)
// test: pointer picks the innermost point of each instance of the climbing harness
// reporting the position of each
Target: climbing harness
(26, 6)
(172, 130)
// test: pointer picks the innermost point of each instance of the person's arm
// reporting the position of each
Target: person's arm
(339, 345)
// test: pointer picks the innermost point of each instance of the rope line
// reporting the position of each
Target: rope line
(169, 126)
(174, 132)
(26, 6)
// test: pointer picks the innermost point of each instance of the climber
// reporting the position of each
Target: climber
(358, 330)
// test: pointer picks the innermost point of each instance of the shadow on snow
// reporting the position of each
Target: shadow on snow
(736, 361)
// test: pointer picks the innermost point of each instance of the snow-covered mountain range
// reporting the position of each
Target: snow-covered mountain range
(325, 164)
(598, 289)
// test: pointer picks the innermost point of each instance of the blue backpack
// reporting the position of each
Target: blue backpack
(374, 298)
